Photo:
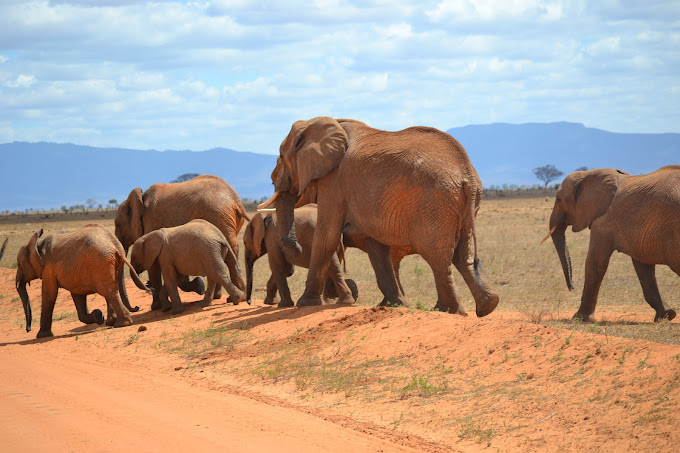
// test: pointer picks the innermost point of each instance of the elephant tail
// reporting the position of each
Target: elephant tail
(472, 195)
(135, 277)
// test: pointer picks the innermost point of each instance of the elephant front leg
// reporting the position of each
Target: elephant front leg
(647, 275)
(49, 296)
(80, 301)
(170, 286)
(271, 291)
(156, 282)
(597, 263)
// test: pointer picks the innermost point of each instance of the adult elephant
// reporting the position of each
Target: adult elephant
(413, 188)
(638, 215)
(205, 197)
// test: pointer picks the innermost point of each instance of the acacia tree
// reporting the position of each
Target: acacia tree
(547, 173)
(185, 177)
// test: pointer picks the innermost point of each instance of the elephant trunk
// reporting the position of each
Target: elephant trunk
(250, 263)
(23, 294)
(285, 223)
(560, 243)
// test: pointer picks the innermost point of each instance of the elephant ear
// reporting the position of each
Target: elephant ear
(592, 195)
(257, 224)
(135, 208)
(34, 255)
(320, 145)
(152, 244)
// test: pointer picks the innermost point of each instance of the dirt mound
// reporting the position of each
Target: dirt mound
(334, 378)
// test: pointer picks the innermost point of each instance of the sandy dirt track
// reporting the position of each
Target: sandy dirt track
(421, 381)
(72, 404)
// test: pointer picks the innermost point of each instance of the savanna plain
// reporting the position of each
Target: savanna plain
(353, 378)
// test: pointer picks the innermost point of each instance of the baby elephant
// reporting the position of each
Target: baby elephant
(195, 248)
(261, 237)
(86, 261)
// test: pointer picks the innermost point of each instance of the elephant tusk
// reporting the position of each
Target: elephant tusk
(266, 210)
(268, 203)
(549, 234)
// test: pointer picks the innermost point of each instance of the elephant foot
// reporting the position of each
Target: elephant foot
(387, 303)
(124, 322)
(309, 301)
(177, 310)
(235, 299)
(450, 309)
(111, 321)
(218, 293)
(197, 285)
(666, 314)
(44, 334)
(269, 301)
(487, 306)
(98, 316)
(285, 303)
(348, 300)
(206, 302)
(156, 305)
(584, 317)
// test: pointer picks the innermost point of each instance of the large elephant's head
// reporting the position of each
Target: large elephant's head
(310, 151)
(254, 245)
(29, 267)
(582, 197)
(128, 219)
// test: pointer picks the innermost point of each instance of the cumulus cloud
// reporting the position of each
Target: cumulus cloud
(200, 74)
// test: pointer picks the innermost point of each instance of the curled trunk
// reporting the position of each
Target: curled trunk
(23, 294)
(560, 243)
(285, 223)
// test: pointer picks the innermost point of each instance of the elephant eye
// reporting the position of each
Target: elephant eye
(299, 142)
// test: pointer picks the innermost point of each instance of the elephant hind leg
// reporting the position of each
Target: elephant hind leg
(210, 290)
(442, 269)
(123, 317)
(80, 301)
(647, 275)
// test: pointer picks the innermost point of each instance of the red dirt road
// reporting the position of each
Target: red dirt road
(333, 378)
(54, 401)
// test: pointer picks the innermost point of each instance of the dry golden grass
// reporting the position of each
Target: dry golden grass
(525, 273)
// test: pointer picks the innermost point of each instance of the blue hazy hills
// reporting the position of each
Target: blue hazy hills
(49, 175)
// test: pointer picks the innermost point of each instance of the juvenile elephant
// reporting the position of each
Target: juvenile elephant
(413, 188)
(195, 248)
(205, 197)
(86, 261)
(638, 215)
(261, 237)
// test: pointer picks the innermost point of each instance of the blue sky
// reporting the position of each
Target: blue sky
(203, 74)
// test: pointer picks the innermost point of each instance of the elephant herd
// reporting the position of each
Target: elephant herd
(340, 183)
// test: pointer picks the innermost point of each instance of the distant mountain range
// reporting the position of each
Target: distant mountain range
(50, 175)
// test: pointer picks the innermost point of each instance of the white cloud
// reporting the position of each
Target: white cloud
(199, 74)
